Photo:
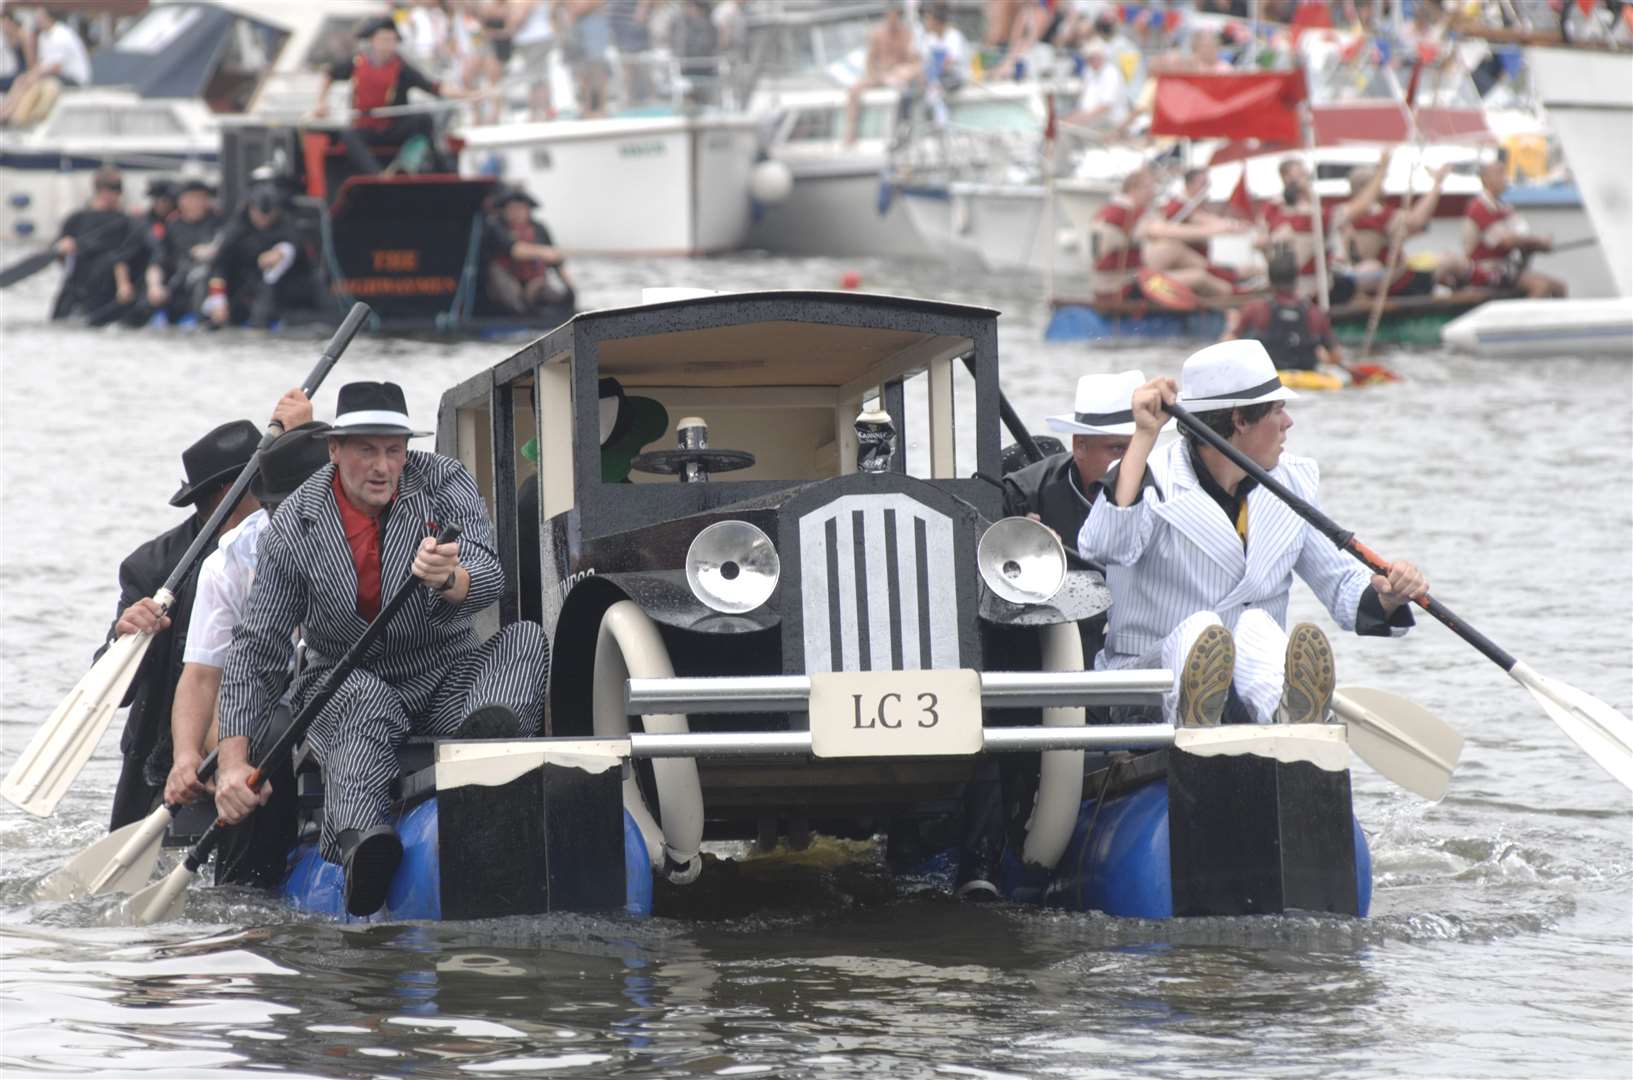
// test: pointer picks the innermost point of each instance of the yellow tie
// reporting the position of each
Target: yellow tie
(1241, 521)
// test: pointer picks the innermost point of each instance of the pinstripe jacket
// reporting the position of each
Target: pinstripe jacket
(1174, 553)
(305, 577)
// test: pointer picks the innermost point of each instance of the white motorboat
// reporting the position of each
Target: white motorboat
(1589, 97)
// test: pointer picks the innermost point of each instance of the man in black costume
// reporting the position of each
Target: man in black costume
(260, 270)
(98, 246)
(179, 259)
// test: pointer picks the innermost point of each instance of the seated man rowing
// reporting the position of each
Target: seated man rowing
(1126, 239)
(347, 538)
(1498, 244)
(1201, 560)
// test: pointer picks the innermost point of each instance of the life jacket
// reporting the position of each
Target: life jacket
(1487, 229)
(522, 270)
(1116, 253)
(1374, 221)
(1297, 228)
(374, 86)
(1287, 337)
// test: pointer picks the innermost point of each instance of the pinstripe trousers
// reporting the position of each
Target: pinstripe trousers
(357, 735)
(1261, 660)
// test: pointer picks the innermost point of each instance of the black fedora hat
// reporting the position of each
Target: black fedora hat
(372, 408)
(216, 459)
(514, 194)
(195, 184)
(292, 457)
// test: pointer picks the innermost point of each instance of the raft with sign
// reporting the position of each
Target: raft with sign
(782, 601)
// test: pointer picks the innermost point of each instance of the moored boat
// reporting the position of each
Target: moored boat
(1529, 329)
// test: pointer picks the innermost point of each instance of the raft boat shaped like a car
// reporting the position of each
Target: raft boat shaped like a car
(800, 616)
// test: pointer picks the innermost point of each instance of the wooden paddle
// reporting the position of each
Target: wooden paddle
(62, 745)
(1604, 734)
(163, 899)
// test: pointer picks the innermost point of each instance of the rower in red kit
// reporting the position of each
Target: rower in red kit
(381, 78)
(1497, 241)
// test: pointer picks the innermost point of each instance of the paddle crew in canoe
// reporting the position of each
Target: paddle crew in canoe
(1498, 243)
(255, 851)
(211, 465)
(354, 531)
(1201, 559)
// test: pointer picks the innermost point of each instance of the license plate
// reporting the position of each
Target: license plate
(895, 713)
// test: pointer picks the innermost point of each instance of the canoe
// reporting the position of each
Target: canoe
(1406, 321)
(1295, 379)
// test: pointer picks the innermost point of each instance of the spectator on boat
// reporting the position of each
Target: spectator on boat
(695, 42)
(1295, 332)
(1103, 105)
(98, 246)
(1201, 561)
(944, 59)
(528, 272)
(60, 59)
(338, 547)
(892, 61)
(211, 465)
(178, 268)
(1372, 229)
(1498, 243)
(590, 37)
(16, 49)
(381, 78)
(253, 852)
(260, 271)
(533, 32)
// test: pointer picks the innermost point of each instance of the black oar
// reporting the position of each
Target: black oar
(1604, 734)
(1012, 421)
(164, 899)
(62, 745)
(29, 265)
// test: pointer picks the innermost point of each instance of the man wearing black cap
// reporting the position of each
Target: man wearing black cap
(179, 261)
(528, 271)
(260, 271)
(339, 546)
(211, 465)
(254, 852)
(97, 246)
(380, 78)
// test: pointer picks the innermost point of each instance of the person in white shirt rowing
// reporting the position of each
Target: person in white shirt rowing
(254, 852)
(1201, 559)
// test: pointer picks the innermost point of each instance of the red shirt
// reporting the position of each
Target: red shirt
(363, 537)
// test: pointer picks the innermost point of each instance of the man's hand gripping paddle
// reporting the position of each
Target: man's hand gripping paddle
(62, 745)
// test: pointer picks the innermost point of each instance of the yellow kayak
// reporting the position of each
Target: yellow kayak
(1297, 379)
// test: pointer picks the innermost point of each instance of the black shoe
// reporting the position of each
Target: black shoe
(490, 722)
(370, 859)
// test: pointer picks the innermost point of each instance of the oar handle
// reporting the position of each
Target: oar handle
(1341, 537)
(331, 685)
(341, 338)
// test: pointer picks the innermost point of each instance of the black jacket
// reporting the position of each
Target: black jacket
(1052, 490)
(146, 742)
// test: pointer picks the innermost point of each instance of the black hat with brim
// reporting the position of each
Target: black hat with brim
(515, 194)
(161, 187)
(216, 459)
(372, 408)
(290, 460)
(195, 184)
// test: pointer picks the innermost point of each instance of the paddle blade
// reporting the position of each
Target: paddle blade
(159, 902)
(1604, 734)
(25, 268)
(1402, 740)
(1165, 292)
(65, 742)
(121, 862)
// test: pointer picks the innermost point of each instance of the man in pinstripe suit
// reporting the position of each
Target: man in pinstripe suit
(1201, 560)
(345, 539)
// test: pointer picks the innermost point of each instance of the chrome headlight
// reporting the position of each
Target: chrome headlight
(732, 567)
(1021, 560)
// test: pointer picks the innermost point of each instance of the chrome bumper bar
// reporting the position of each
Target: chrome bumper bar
(999, 690)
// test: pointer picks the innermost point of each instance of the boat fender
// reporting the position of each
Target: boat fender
(628, 645)
(1060, 777)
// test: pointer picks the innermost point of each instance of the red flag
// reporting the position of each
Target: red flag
(1230, 105)
(1239, 198)
(1311, 15)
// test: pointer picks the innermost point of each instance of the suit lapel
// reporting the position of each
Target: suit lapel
(1194, 513)
(405, 528)
(1273, 532)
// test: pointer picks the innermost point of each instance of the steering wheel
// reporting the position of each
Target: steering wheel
(674, 462)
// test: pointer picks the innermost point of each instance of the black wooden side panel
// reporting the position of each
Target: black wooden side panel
(491, 843)
(584, 836)
(1317, 839)
(1224, 835)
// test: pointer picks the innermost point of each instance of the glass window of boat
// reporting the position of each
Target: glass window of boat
(149, 121)
(336, 39)
(986, 114)
(789, 392)
(159, 29)
(815, 125)
(247, 57)
(71, 122)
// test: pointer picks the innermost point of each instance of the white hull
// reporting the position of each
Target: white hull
(668, 186)
(1589, 99)
(835, 211)
(1002, 229)
(1533, 328)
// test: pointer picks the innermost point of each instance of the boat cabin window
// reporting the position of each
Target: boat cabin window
(979, 114)
(148, 121)
(81, 122)
(159, 29)
(335, 39)
(789, 393)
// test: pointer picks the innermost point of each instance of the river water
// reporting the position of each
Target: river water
(1499, 943)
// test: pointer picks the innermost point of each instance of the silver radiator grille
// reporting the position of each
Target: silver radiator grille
(877, 587)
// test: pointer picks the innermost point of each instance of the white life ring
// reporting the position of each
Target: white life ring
(1060, 778)
(628, 644)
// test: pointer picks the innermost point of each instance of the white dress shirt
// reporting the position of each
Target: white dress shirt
(223, 592)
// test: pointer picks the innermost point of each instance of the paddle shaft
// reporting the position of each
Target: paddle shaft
(29, 265)
(331, 685)
(331, 353)
(1012, 421)
(1340, 536)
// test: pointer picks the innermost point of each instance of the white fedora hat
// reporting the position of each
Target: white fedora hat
(1103, 405)
(1230, 375)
